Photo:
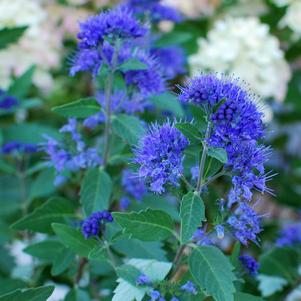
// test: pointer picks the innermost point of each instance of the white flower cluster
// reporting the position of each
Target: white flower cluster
(244, 47)
(39, 45)
(292, 17)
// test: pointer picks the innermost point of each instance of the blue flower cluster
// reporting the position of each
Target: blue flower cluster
(93, 224)
(160, 156)
(154, 9)
(143, 280)
(71, 159)
(7, 102)
(118, 23)
(201, 238)
(19, 147)
(171, 59)
(237, 127)
(244, 223)
(289, 236)
(250, 264)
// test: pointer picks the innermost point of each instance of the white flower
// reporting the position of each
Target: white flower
(292, 18)
(243, 47)
(39, 45)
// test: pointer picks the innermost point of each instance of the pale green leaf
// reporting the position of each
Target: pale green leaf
(269, 285)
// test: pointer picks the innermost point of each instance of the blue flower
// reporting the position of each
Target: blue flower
(174, 299)
(245, 224)
(92, 225)
(220, 230)
(16, 146)
(156, 11)
(155, 295)
(147, 81)
(250, 264)
(113, 24)
(160, 156)
(143, 280)
(189, 287)
(124, 203)
(133, 185)
(171, 59)
(289, 236)
(7, 102)
(201, 238)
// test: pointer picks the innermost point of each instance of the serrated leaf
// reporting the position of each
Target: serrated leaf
(239, 296)
(132, 64)
(167, 102)
(55, 210)
(128, 128)
(33, 294)
(11, 35)
(20, 86)
(128, 273)
(155, 270)
(74, 239)
(212, 271)
(282, 262)
(95, 191)
(146, 225)
(192, 214)
(81, 108)
(189, 131)
(218, 153)
(269, 285)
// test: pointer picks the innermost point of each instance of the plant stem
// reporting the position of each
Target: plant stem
(177, 259)
(108, 108)
(110, 254)
(203, 159)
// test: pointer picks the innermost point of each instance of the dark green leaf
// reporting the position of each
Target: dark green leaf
(246, 297)
(74, 239)
(189, 131)
(173, 38)
(20, 86)
(81, 108)
(147, 225)
(62, 261)
(167, 102)
(55, 210)
(128, 273)
(10, 35)
(95, 191)
(33, 294)
(212, 271)
(128, 128)
(192, 214)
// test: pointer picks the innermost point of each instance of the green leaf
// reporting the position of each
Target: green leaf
(132, 64)
(212, 271)
(95, 191)
(74, 239)
(167, 102)
(128, 273)
(62, 261)
(11, 35)
(128, 128)
(282, 262)
(55, 210)
(192, 214)
(155, 270)
(173, 38)
(81, 108)
(190, 131)
(146, 225)
(234, 258)
(33, 294)
(269, 285)
(10, 285)
(77, 294)
(20, 86)
(98, 253)
(239, 296)
(218, 153)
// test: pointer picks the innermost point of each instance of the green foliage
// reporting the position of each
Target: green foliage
(132, 64)
(11, 35)
(192, 214)
(213, 272)
(95, 191)
(81, 108)
(218, 153)
(32, 294)
(146, 225)
(55, 210)
(190, 131)
(128, 128)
